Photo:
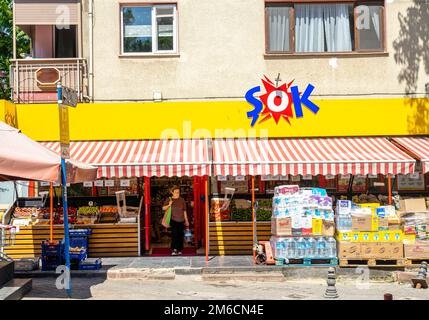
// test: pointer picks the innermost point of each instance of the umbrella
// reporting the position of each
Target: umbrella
(24, 159)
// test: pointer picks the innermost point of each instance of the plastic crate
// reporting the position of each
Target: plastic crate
(80, 233)
(96, 265)
(52, 255)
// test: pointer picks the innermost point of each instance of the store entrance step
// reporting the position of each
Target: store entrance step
(6, 272)
(372, 263)
(244, 276)
(16, 289)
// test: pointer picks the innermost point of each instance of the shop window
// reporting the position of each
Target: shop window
(148, 29)
(324, 27)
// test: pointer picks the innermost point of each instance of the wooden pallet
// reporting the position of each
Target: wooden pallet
(381, 263)
(414, 262)
(305, 262)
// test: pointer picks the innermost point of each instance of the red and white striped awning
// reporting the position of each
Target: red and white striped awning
(138, 158)
(309, 156)
(418, 147)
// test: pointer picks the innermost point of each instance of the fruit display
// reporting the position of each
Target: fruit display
(71, 212)
(108, 209)
(87, 211)
(31, 213)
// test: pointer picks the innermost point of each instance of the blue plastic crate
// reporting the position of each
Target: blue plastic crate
(80, 233)
(96, 265)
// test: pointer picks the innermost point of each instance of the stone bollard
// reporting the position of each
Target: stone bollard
(421, 281)
(331, 290)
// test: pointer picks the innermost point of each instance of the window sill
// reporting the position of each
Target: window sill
(325, 55)
(150, 56)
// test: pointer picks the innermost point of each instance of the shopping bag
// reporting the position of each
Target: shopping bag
(167, 217)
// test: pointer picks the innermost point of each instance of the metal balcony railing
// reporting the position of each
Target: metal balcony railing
(35, 80)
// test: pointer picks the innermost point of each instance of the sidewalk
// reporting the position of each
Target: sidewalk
(222, 266)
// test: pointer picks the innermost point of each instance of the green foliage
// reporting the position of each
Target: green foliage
(6, 44)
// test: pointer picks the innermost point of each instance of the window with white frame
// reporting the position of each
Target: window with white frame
(148, 29)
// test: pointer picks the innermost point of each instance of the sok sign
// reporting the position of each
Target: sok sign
(277, 102)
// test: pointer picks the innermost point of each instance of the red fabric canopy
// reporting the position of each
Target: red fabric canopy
(24, 159)
(309, 156)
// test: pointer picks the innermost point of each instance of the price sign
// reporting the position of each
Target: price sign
(405, 182)
(372, 176)
(295, 178)
(99, 183)
(109, 183)
(240, 178)
(284, 178)
(267, 177)
(329, 177)
(221, 178)
(87, 184)
(307, 177)
(414, 176)
(125, 183)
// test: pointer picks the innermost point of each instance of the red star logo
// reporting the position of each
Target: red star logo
(277, 101)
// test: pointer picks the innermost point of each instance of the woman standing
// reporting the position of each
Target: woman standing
(179, 219)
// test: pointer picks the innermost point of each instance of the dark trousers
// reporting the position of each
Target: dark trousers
(177, 235)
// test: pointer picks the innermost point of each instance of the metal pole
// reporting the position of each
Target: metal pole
(147, 212)
(389, 187)
(65, 206)
(206, 214)
(195, 212)
(51, 196)
(253, 216)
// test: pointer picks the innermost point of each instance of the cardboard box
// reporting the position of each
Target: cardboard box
(328, 228)
(374, 250)
(349, 250)
(368, 250)
(364, 222)
(418, 250)
(281, 226)
(396, 250)
(383, 223)
(412, 205)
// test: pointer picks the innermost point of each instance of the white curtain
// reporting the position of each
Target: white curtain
(279, 26)
(337, 27)
(318, 24)
(309, 32)
(375, 17)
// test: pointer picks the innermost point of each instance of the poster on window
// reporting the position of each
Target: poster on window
(410, 183)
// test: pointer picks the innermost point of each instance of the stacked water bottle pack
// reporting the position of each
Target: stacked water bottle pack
(302, 224)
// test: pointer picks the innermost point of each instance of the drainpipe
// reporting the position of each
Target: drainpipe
(91, 50)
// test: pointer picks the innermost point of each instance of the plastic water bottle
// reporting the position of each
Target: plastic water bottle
(332, 247)
(311, 248)
(301, 248)
(321, 248)
(283, 246)
(289, 248)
